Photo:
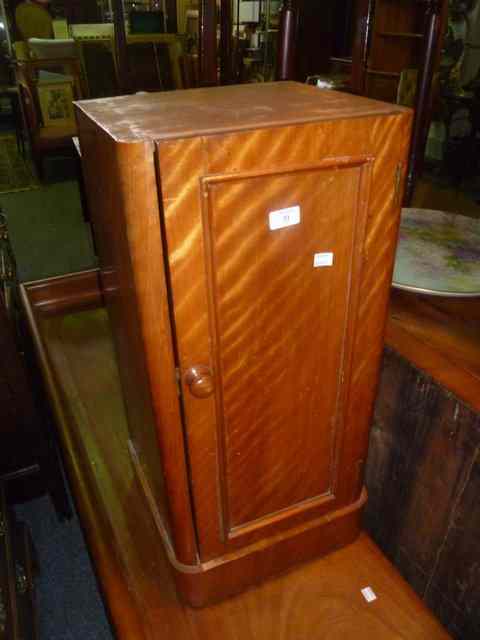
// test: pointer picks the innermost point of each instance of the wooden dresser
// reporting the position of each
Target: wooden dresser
(246, 237)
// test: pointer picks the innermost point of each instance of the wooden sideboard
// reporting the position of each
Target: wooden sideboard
(317, 600)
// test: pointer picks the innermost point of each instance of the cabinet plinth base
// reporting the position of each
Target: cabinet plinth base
(208, 582)
(233, 573)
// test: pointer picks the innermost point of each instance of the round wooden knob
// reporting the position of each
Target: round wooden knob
(200, 381)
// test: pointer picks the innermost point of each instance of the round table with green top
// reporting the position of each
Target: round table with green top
(438, 253)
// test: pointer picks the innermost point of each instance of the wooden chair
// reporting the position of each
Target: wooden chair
(70, 67)
(45, 138)
(33, 21)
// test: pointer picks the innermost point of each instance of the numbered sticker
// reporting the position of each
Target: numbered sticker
(323, 259)
(284, 218)
(369, 594)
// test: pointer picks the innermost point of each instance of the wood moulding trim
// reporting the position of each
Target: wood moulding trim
(203, 567)
(340, 162)
(61, 294)
(271, 518)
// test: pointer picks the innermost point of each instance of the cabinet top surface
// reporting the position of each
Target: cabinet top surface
(194, 112)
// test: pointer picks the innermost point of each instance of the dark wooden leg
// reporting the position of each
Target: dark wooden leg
(121, 46)
(207, 43)
(365, 11)
(226, 50)
(286, 42)
(423, 102)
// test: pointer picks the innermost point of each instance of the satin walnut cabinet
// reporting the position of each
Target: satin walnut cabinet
(246, 238)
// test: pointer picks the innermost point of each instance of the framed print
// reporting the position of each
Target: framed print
(56, 103)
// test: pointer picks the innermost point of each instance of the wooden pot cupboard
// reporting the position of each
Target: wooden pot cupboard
(246, 238)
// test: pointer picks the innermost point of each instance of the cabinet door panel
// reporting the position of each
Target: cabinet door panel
(278, 325)
(271, 313)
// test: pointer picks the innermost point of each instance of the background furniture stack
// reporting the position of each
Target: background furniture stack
(395, 45)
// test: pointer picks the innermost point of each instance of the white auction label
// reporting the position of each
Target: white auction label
(369, 594)
(284, 218)
(323, 259)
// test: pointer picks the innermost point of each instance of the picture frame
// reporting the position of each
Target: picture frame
(56, 103)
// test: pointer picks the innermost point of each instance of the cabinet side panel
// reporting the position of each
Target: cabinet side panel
(123, 200)
(390, 140)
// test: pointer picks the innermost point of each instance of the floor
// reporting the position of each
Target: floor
(47, 231)
(69, 603)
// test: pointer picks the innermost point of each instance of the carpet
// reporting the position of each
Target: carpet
(47, 231)
(68, 601)
(16, 173)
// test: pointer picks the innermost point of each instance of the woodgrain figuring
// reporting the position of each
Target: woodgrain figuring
(181, 165)
(197, 112)
(121, 186)
(319, 600)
